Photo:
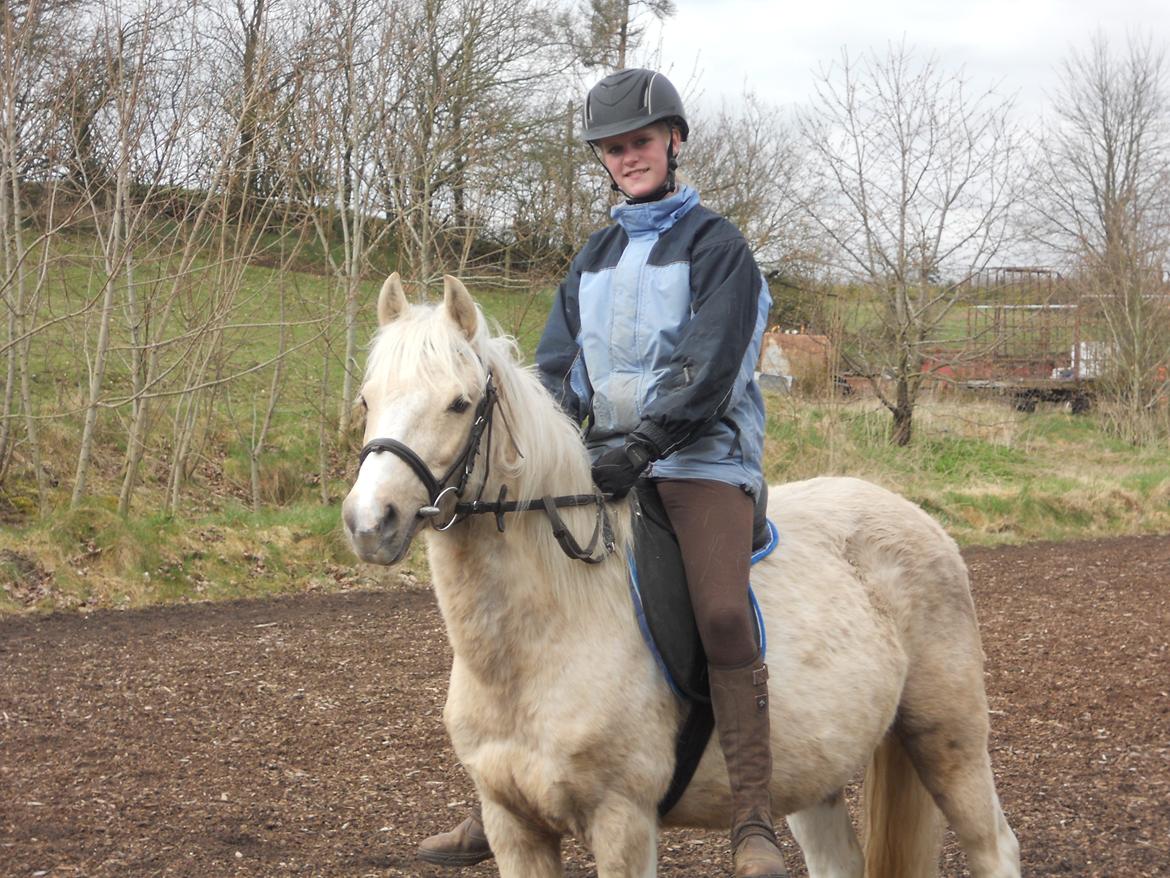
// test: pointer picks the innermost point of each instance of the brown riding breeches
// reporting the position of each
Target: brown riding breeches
(713, 522)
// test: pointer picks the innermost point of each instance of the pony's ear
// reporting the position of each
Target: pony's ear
(392, 300)
(460, 306)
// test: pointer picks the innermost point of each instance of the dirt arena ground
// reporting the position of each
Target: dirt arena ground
(303, 735)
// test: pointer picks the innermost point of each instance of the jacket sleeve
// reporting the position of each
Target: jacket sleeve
(559, 350)
(696, 391)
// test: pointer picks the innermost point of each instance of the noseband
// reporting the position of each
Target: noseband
(438, 488)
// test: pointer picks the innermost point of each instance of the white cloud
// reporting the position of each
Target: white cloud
(774, 48)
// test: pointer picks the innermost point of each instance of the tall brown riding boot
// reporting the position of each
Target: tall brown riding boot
(739, 696)
(465, 845)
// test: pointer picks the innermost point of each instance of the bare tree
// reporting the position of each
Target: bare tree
(1102, 194)
(747, 163)
(467, 74)
(126, 155)
(348, 97)
(118, 62)
(199, 307)
(615, 29)
(258, 63)
(913, 180)
(550, 197)
(33, 38)
(172, 240)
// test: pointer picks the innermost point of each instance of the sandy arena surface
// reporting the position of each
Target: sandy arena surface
(303, 735)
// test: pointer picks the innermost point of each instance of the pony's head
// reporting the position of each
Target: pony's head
(429, 394)
(423, 385)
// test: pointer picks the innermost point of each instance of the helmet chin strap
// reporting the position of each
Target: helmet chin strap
(668, 185)
(661, 192)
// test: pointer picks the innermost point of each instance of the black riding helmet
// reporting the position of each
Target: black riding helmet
(628, 100)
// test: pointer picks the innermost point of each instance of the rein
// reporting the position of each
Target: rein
(438, 488)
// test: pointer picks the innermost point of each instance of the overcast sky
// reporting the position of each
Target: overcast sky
(774, 46)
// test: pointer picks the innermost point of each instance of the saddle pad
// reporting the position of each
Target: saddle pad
(662, 602)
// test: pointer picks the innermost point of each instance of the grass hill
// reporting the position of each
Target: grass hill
(989, 473)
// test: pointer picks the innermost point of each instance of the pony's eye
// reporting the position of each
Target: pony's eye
(460, 405)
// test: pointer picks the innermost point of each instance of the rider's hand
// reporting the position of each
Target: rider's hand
(616, 470)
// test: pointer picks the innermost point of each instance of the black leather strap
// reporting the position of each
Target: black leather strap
(405, 453)
(569, 544)
(465, 460)
(496, 507)
(435, 487)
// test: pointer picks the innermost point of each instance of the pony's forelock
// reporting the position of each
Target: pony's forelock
(423, 347)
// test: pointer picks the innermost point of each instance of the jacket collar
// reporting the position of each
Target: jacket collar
(655, 217)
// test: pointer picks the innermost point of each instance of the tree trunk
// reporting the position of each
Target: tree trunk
(30, 421)
(7, 248)
(903, 412)
(254, 465)
(348, 374)
(186, 416)
(116, 260)
(903, 426)
(623, 34)
(259, 437)
(20, 303)
(135, 451)
(323, 430)
(140, 369)
(6, 414)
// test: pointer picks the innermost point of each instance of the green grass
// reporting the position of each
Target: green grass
(988, 473)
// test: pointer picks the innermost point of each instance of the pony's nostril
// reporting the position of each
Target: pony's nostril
(389, 517)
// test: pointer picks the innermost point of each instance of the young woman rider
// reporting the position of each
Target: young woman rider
(651, 344)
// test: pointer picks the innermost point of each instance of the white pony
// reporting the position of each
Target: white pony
(556, 707)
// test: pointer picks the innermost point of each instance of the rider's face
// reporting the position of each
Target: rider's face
(637, 160)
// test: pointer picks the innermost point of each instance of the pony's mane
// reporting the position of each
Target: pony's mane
(423, 346)
(535, 448)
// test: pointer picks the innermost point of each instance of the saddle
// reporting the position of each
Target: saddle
(662, 603)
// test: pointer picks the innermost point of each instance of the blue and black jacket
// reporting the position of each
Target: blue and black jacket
(656, 331)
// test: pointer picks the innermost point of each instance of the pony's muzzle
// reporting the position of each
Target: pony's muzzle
(377, 540)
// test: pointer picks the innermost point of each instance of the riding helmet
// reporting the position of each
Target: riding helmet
(630, 99)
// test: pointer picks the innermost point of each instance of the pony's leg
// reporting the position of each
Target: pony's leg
(943, 725)
(964, 789)
(521, 850)
(623, 837)
(827, 840)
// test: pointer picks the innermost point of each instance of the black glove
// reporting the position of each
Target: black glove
(616, 470)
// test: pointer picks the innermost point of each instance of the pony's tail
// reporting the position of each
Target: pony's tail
(903, 827)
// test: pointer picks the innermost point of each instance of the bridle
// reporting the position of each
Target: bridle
(438, 488)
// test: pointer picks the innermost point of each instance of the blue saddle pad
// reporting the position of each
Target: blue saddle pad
(658, 587)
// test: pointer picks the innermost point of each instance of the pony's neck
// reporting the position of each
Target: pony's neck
(502, 594)
(509, 600)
